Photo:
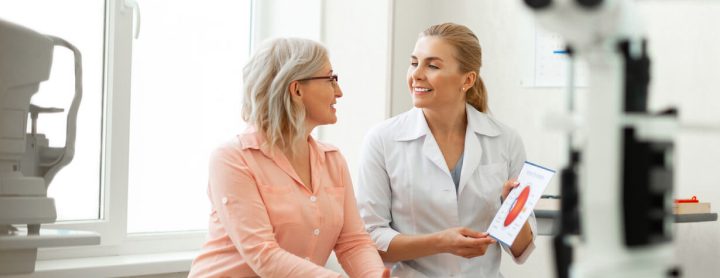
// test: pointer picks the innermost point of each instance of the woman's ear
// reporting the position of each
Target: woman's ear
(294, 90)
(470, 78)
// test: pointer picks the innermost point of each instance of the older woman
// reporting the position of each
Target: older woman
(282, 201)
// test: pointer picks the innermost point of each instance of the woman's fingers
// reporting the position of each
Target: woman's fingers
(468, 243)
(472, 252)
(476, 242)
(471, 233)
(508, 186)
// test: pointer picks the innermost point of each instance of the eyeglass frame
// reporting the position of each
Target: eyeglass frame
(333, 77)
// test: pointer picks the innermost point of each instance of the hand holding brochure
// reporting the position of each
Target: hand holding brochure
(518, 205)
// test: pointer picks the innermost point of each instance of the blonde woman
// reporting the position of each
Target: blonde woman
(431, 179)
(282, 201)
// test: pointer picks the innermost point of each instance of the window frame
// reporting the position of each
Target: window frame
(112, 225)
(115, 128)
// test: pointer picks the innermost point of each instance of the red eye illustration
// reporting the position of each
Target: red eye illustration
(517, 206)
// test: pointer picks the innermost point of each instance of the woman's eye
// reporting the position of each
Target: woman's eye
(433, 66)
(414, 64)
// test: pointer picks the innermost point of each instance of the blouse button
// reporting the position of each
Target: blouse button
(224, 200)
(316, 232)
(313, 199)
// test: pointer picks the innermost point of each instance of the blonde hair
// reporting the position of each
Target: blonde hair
(469, 55)
(267, 103)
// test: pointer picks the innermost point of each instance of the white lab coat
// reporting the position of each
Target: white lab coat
(405, 186)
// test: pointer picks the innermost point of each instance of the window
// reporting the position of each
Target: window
(152, 110)
(76, 188)
(186, 100)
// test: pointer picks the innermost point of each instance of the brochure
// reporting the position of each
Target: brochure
(518, 205)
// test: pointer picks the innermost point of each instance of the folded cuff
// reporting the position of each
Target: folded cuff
(383, 237)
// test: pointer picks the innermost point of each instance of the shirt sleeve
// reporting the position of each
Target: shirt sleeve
(355, 250)
(373, 192)
(517, 158)
(242, 212)
(529, 249)
(516, 149)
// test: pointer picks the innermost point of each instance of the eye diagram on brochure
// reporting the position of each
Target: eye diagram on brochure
(518, 205)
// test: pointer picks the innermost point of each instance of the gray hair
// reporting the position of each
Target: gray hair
(267, 103)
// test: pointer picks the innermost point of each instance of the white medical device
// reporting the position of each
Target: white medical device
(27, 163)
(617, 189)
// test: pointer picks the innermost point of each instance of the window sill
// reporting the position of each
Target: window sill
(127, 265)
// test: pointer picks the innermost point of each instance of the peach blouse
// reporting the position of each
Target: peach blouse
(266, 222)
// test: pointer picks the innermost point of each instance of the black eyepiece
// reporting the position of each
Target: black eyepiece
(589, 3)
(538, 4)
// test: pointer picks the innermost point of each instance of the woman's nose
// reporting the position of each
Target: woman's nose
(417, 73)
(338, 92)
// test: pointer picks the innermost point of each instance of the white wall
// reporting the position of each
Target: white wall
(357, 34)
(286, 18)
(409, 19)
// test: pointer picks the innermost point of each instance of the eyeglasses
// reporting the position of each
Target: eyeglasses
(333, 78)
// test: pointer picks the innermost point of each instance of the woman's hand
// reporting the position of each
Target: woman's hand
(386, 273)
(509, 186)
(463, 242)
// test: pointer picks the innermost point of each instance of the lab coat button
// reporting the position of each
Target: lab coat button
(224, 200)
(313, 199)
(316, 232)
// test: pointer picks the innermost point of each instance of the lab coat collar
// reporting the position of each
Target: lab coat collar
(478, 122)
(416, 126)
(481, 124)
